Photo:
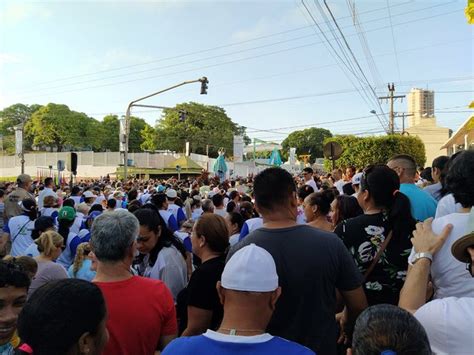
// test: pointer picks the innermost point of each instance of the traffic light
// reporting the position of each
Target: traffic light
(204, 83)
(182, 115)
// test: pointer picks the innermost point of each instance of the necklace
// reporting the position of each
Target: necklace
(234, 331)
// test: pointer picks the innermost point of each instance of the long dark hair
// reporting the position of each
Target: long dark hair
(58, 314)
(383, 185)
(150, 217)
(64, 226)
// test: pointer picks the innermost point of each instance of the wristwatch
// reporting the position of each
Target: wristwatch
(419, 256)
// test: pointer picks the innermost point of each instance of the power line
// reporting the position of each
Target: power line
(213, 65)
(393, 39)
(201, 51)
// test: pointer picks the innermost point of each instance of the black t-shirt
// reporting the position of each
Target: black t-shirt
(311, 264)
(363, 237)
(201, 292)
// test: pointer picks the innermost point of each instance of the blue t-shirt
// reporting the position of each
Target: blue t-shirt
(423, 205)
(84, 273)
(222, 344)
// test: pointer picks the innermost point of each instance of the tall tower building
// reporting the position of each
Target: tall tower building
(420, 105)
(423, 123)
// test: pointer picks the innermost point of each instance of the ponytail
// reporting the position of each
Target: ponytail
(82, 251)
(48, 242)
(399, 216)
(64, 228)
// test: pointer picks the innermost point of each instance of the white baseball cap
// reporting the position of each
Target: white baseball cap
(252, 269)
(356, 179)
(171, 193)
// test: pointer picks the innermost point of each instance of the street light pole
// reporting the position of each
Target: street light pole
(203, 82)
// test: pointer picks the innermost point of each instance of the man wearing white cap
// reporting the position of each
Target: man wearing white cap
(173, 208)
(249, 291)
(311, 265)
(356, 183)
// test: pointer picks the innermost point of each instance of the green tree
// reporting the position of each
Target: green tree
(137, 125)
(56, 126)
(149, 142)
(363, 151)
(9, 118)
(306, 141)
(203, 126)
(109, 130)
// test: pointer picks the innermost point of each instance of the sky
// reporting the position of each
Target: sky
(268, 63)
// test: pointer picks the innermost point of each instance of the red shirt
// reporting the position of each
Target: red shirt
(140, 312)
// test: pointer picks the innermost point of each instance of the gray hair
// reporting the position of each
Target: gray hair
(112, 234)
(208, 206)
(386, 327)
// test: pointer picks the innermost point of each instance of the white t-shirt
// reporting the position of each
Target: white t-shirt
(65, 259)
(170, 267)
(76, 227)
(234, 239)
(20, 228)
(449, 324)
(447, 205)
(312, 183)
(339, 185)
(221, 212)
(45, 192)
(449, 275)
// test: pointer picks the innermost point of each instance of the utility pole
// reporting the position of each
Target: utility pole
(403, 115)
(125, 138)
(392, 98)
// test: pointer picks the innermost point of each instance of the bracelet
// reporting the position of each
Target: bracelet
(425, 255)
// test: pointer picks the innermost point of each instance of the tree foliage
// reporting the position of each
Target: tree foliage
(202, 126)
(56, 126)
(306, 141)
(363, 151)
(9, 118)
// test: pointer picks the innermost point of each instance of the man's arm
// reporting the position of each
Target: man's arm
(413, 293)
(356, 302)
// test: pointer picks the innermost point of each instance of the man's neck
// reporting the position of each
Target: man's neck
(277, 221)
(113, 272)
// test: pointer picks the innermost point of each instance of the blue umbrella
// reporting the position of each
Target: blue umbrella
(275, 158)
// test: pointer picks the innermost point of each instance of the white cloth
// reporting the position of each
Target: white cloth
(66, 259)
(312, 183)
(449, 275)
(339, 185)
(225, 338)
(76, 226)
(45, 192)
(20, 234)
(170, 267)
(77, 200)
(447, 205)
(301, 217)
(234, 239)
(32, 250)
(173, 208)
(254, 223)
(449, 324)
(220, 212)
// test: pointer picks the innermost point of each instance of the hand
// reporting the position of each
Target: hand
(341, 319)
(425, 241)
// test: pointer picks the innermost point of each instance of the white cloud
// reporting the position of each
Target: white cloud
(10, 58)
(18, 11)
(290, 18)
(113, 58)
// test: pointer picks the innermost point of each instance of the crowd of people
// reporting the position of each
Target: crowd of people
(376, 260)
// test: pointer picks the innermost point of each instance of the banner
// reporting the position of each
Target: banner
(122, 134)
(18, 140)
(238, 149)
